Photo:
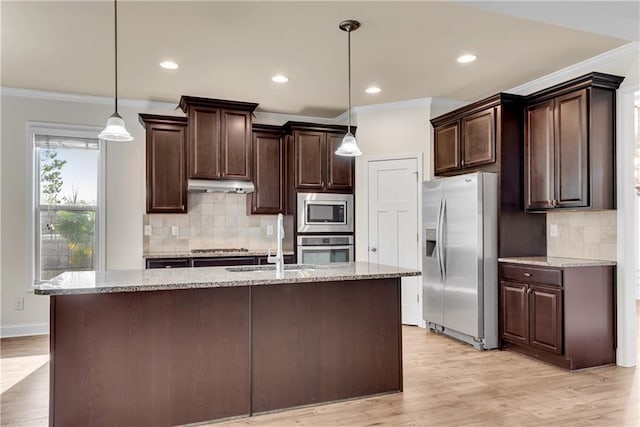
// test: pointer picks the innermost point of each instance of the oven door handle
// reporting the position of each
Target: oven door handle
(303, 247)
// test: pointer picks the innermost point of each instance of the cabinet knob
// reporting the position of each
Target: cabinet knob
(167, 266)
(462, 163)
(527, 274)
(554, 203)
(374, 249)
(529, 290)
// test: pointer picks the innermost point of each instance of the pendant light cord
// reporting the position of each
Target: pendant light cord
(115, 33)
(349, 80)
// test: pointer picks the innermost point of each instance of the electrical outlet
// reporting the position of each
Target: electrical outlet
(174, 230)
(18, 303)
(553, 230)
(148, 230)
(269, 230)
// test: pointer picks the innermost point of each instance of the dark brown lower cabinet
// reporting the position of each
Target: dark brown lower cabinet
(164, 358)
(564, 316)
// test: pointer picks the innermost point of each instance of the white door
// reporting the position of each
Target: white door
(393, 225)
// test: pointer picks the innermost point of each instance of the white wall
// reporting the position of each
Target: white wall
(387, 129)
(125, 196)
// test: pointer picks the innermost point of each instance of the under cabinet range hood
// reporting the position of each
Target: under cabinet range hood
(219, 186)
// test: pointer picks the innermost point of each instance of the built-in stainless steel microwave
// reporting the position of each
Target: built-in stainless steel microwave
(325, 213)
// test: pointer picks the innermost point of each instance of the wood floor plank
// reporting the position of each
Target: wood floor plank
(446, 383)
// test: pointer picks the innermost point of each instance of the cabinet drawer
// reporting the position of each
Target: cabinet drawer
(525, 273)
(168, 263)
(223, 261)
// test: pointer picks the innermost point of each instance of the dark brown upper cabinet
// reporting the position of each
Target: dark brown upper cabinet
(219, 140)
(467, 139)
(570, 145)
(316, 167)
(268, 170)
(166, 142)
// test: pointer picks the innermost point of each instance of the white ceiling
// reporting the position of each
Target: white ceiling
(230, 50)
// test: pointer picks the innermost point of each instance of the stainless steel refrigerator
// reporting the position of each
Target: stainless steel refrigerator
(459, 257)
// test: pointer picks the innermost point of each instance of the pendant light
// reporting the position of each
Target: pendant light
(115, 130)
(349, 145)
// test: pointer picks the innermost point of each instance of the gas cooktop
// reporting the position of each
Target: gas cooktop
(208, 250)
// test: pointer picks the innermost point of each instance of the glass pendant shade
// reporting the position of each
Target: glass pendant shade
(115, 130)
(349, 146)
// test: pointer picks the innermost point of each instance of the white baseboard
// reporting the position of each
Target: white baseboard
(24, 330)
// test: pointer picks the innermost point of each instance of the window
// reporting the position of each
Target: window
(66, 202)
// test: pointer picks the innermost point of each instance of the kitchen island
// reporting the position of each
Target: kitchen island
(178, 346)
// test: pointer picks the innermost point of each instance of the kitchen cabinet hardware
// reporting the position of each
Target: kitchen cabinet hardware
(527, 274)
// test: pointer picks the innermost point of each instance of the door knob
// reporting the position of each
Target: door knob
(374, 249)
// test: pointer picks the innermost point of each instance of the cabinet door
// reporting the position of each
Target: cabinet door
(572, 169)
(514, 310)
(309, 160)
(166, 177)
(446, 147)
(478, 139)
(339, 168)
(235, 147)
(545, 318)
(539, 156)
(268, 166)
(204, 143)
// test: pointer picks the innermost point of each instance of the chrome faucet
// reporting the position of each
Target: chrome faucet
(278, 260)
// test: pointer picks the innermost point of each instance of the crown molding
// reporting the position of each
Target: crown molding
(574, 70)
(85, 99)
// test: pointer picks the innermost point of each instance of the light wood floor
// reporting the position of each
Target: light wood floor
(446, 383)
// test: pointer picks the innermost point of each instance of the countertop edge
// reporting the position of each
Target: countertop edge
(557, 262)
(211, 285)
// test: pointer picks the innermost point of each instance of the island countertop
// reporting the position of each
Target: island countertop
(110, 281)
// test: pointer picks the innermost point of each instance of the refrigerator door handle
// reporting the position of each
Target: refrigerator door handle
(441, 242)
(439, 238)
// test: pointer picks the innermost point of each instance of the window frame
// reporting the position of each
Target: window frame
(33, 202)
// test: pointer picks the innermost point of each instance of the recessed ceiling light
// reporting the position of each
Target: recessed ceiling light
(373, 89)
(280, 78)
(466, 58)
(169, 65)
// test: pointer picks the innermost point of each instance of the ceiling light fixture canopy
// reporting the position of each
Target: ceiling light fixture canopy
(115, 130)
(349, 145)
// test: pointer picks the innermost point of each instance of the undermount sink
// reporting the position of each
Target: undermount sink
(272, 268)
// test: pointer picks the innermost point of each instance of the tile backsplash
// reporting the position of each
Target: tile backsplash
(214, 220)
(588, 235)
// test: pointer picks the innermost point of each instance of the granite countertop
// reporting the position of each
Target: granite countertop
(92, 282)
(213, 254)
(557, 262)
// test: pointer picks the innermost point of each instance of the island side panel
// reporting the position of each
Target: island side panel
(320, 342)
(155, 358)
